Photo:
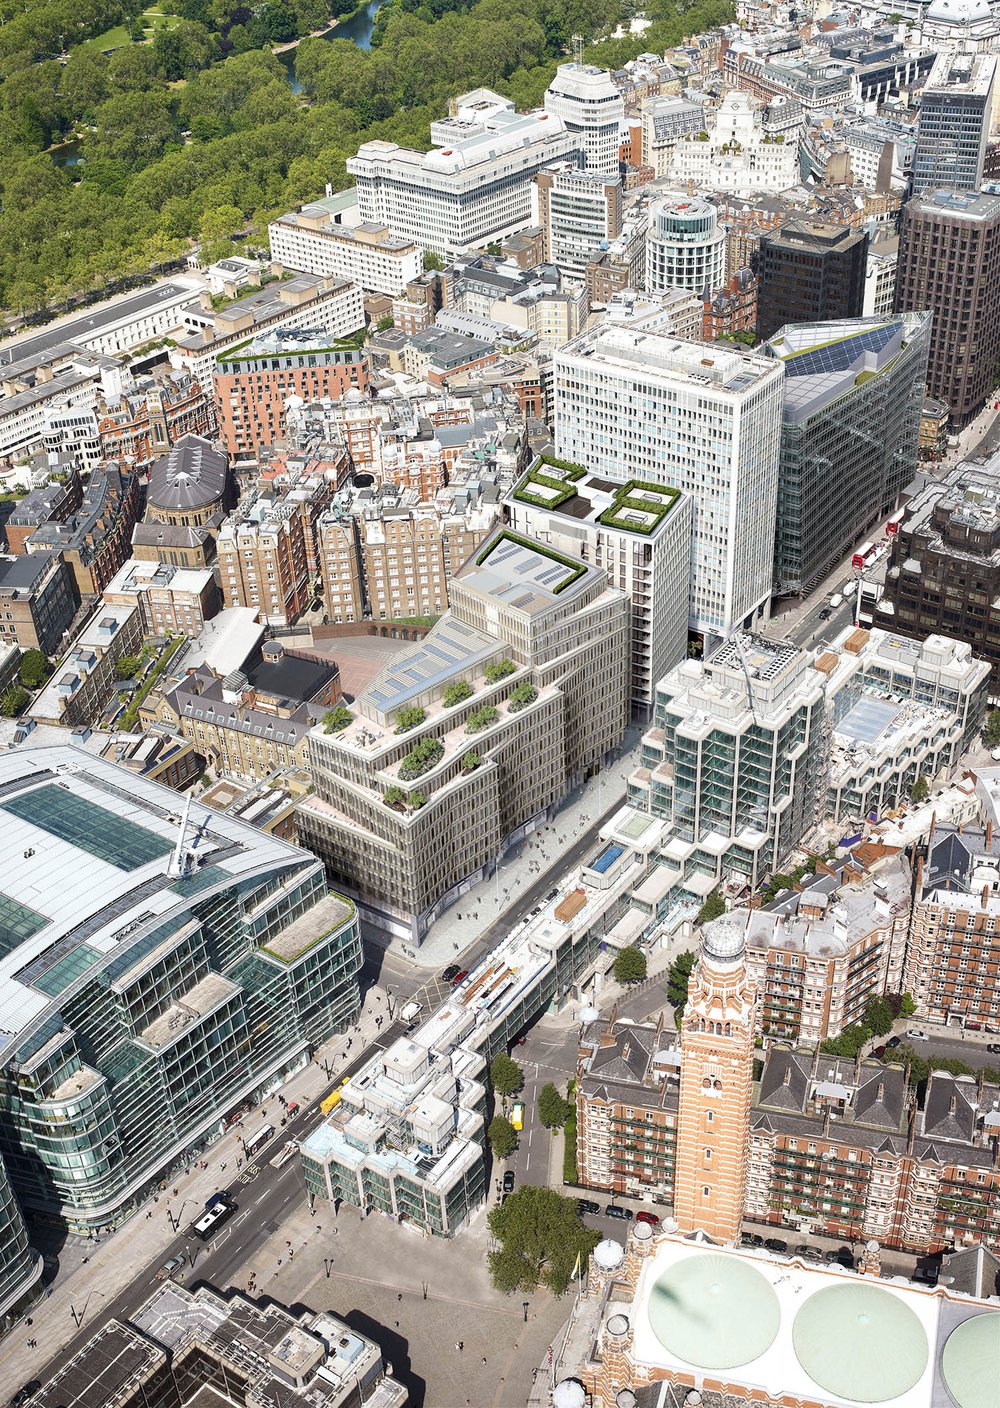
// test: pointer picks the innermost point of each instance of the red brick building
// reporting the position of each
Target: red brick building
(253, 383)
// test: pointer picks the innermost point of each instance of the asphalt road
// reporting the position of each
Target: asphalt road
(973, 1053)
(263, 1201)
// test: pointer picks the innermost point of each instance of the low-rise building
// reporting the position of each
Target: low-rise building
(367, 254)
(743, 152)
(84, 681)
(172, 601)
(665, 121)
(158, 754)
(183, 1341)
(150, 414)
(38, 600)
(171, 543)
(297, 301)
(95, 539)
(520, 689)
(52, 502)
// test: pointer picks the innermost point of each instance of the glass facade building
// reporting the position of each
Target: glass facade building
(853, 393)
(157, 971)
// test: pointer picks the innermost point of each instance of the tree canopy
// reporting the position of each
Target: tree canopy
(502, 1136)
(506, 1074)
(553, 1109)
(540, 1235)
(630, 965)
(198, 132)
(678, 978)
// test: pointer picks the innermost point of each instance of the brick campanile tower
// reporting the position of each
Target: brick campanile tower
(713, 1120)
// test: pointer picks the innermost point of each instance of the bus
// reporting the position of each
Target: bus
(862, 556)
(212, 1219)
(331, 1101)
(894, 524)
(253, 1143)
(517, 1116)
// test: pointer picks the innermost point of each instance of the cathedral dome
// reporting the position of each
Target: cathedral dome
(723, 939)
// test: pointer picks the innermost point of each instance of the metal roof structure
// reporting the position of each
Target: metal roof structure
(192, 474)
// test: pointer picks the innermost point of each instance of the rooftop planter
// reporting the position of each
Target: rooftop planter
(421, 759)
(521, 696)
(456, 693)
(560, 485)
(471, 760)
(481, 718)
(641, 497)
(336, 720)
(400, 801)
(495, 673)
(409, 718)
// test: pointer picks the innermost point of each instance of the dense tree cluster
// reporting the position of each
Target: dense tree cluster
(198, 135)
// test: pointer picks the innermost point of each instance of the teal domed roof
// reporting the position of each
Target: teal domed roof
(860, 1342)
(714, 1311)
(970, 1363)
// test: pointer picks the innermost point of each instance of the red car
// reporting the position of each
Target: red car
(649, 1217)
(460, 977)
(293, 1108)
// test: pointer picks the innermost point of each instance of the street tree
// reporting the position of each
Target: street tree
(630, 965)
(506, 1075)
(502, 1136)
(879, 1015)
(553, 1109)
(678, 978)
(540, 1235)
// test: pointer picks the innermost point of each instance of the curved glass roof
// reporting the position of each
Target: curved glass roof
(860, 1343)
(970, 1362)
(714, 1312)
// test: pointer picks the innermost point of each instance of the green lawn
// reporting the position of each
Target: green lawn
(151, 20)
(115, 38)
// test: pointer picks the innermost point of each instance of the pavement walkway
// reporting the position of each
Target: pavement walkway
(471, 916)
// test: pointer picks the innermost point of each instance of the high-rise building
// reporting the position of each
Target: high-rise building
(254, 382)
(640, 534)
(949, 263)
(473, 186)
(20, 1264)
(471, 738)
(636, 403)
(953, 127)
(850, 425)
(579, 212)
(592, 108)
(810, 272)
(713, 1114)
(164, 965)
(685, 245)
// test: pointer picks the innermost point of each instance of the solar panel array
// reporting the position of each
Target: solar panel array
(839, 355)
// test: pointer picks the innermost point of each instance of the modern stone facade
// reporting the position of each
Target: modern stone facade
(470, 740)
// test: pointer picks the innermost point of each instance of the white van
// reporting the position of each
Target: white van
(410, 1011)
(836, 600)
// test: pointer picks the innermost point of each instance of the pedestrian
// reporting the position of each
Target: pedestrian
(461, 1344)
(400, 1296)
(484, 1358)
(458, 1345)
(397, 1324)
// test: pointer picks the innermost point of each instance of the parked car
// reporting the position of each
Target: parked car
(451, 972)
(508, 1181)
(806, 1252)
(586, 1206)
(840, 1255)
(649, 1217)
(460, 977)
(917, 1035)
(613, 1210)
(993, 1046)
(879, 1051)
(893, 1042)
(25, 1393)
(775, 1244)
(825, 614)
(171, 1267)
(751, 1239)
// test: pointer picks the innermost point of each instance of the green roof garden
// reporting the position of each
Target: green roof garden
(574, 570)
(640, 507)
(549, 483)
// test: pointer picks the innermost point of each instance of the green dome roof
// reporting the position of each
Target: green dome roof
(860, 1343)
(714, 1312)
(970, 1363)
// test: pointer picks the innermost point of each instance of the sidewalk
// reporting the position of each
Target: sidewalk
(469, 917)
(119, 1257)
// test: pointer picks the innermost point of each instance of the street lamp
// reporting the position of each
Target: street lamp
(327, 1263)
(79, 1314)
(175, 1218)
(524, 1307)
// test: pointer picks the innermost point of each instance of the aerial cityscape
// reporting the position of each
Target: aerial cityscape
(500, 704)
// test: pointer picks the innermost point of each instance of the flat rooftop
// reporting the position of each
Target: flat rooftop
(89, 325)
(84, 852)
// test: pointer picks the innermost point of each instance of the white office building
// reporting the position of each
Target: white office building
(366, 255)
(685, 245)
(637, 403)
(740, 153)
(579, 211)
(591, 107)
(665, 122)
(475, 188)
